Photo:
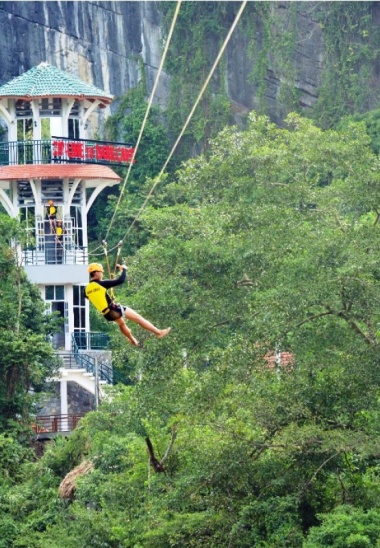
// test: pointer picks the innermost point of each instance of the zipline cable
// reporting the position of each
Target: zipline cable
(200, 95)
(237, 18)
(146, 113)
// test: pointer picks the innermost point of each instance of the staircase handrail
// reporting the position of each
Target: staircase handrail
(87, 362)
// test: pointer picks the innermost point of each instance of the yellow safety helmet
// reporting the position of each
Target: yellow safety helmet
(95, 267)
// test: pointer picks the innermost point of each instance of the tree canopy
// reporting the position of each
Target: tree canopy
(263, 256)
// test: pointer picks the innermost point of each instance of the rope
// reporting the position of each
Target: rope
(117, 255)
(200, 95)
(104, 243)
(146, 113)
(190, 115)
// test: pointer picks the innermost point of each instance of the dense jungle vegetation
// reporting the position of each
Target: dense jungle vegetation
(263, 247)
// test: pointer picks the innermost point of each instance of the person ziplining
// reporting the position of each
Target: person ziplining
(97, 293)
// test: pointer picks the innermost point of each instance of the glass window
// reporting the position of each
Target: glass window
(73, 128)
(59, 292)
(49, 292)
(45, 128)
(76, 294)
(23, 108)
(51, 106)
(79, 308)
(55, 293)
(76, 316)
(25, 129)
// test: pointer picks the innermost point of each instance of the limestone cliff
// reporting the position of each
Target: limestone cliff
(109, 43)
(101, 42)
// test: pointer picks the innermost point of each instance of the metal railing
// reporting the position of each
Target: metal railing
(63, 150)
(87, 362)
(25, 152)
(49, 248)
(53, 253)
(91, 340)
(55, 423)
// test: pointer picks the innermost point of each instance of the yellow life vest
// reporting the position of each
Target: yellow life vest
(59, 230)
(52, 210)
(97, 296)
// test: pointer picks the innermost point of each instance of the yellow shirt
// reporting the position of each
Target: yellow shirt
(96, 292)
(97, 295)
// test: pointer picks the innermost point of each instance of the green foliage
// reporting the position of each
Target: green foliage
(153, 150)
(26, 358)
(267, 244)
(346, 527)
(371, 120)
(351, 36)
(199, 28)
(126, 124)
(271, 35)
(12, 455)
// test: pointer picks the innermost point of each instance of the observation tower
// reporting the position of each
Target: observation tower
(47, 159)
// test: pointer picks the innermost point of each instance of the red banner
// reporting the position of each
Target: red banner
(82, 151)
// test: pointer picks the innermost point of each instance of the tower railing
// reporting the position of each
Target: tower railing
(47, 247)
(63, 150)
(91, 340)
(54, 253)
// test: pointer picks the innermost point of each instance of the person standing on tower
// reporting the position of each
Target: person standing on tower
(59, 232)
(96, 292)
(51, 213)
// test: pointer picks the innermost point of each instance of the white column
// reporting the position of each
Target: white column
(64, 404)
(36, 120)
(69, 298)
(67, 105)
(66, 199)
(83, 211)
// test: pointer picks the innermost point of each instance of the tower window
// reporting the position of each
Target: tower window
(73, 128)
(25, 129)
(79, 308)
(55, 293)
(23, 109)
(50, 106)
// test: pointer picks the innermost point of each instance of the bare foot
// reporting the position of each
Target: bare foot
(134, 341)
(164, 332)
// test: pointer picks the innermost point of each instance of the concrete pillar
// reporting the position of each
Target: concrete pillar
(64, 405)
(69, 298)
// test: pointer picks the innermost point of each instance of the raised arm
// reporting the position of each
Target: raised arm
(107, 284)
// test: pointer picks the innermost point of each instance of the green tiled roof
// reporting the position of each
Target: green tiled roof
(48, 81)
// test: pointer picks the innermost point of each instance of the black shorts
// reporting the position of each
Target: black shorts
(116, 311)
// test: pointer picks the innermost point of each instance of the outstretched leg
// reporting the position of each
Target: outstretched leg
(126, 331)
(132, 315)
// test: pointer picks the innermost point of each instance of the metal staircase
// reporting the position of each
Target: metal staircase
(89, 365)
(84, 366)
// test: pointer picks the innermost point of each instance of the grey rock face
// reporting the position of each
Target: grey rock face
(100, 42)
(107, 43)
